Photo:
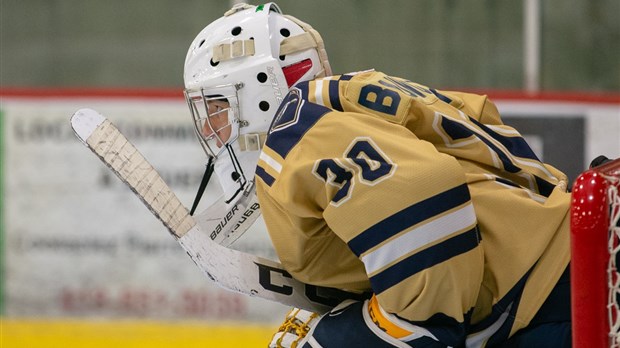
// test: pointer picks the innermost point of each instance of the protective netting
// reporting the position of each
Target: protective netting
(613, 276)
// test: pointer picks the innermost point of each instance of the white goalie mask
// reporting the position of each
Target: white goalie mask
(237, 71)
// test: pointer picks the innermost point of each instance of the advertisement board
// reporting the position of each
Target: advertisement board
(78, 243)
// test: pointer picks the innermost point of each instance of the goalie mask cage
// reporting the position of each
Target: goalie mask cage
(595, 248)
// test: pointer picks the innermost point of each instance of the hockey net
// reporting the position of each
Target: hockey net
(595, 255)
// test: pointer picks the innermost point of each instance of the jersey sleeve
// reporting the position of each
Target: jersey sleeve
(479, 107)
(350, 198)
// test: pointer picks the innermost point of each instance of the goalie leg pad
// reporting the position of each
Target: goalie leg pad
(350, 326)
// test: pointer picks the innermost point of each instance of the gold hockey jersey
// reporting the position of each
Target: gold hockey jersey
(424, 197)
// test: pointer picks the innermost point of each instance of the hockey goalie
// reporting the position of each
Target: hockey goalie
(373, 184)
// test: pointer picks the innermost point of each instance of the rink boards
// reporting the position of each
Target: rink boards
(81, 254)
(120, 334)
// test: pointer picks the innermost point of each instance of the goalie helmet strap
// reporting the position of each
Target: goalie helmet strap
(203, 185)
(297, 43)
(243, 6)
(236, 49)
(252, 141)
(320, 46)
(236, 8)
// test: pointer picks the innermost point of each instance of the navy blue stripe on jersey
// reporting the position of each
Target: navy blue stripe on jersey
(458, 131)
(440, 96)
(544, 187)
(295, 116)
(346, 77)
(334, 95)
(506, 182)
(446, 329)
(408, 217)
(268, 179)
(508, 304)
(517, 146)
(426, 258)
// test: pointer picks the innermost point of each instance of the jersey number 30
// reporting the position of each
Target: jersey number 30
(365, 156)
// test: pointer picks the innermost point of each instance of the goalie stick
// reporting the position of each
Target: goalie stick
(226, 225)
(231, 269)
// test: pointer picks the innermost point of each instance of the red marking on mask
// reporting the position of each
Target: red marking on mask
(294, 72)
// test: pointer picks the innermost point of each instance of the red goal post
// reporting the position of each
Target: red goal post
(595, 247)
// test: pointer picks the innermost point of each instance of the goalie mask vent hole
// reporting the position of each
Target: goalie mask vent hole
(235, 176)
(285, 32)
(201, 43)
(282, 57)
(264, 106)
(213, 63)
(236, 31)
(261, 77)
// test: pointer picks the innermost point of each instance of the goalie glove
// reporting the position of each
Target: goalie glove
(350, 324)
(600, 160)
